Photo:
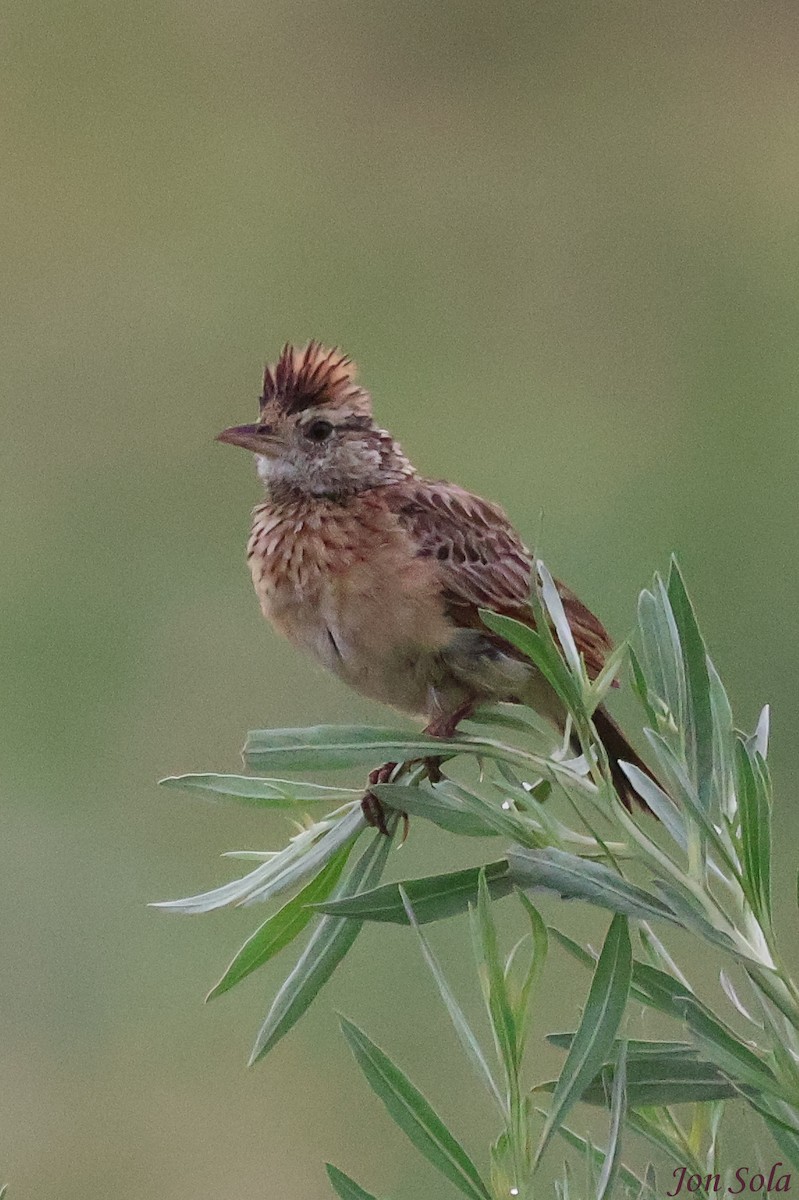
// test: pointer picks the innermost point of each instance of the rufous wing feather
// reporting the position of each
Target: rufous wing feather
(483, 563)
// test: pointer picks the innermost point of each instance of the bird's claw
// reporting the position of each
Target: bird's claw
(373, 809)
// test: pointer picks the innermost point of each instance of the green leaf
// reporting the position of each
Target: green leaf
(433, 897)
(344, 1187)
(777, 1112)
(684, 790)
(579, 878)
(754, 806)
(492, 976)
(557, 614)
(650, 986)
(693, 917)
(414, 1115)
(261, 793)
(786, 1138)
(574, 948)
(538, 958)
(652, 1081)
(659, 956)
(735, 1059)
(700, 726)
(607, 677)
(303, 857)
(541, 650)
(327, 747)
(592, 1152)
(636, 1048)
(436, 805)
(723, 743)
(661, 1130)
(659, 802)
(760, 737)
(503, 1166)
(649, 1188)
(330, 747)
(618, 1108)
(330, 942)
(282, 927)
(503, 822)
(641, 688)
(466, 1036)
(603, 1011)
(661, 650)
(512, 716)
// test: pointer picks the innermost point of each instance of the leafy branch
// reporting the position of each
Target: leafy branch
(704, 868)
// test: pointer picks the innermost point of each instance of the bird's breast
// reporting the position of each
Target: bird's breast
(345, 583)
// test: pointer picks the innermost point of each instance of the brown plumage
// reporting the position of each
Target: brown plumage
(380, 573)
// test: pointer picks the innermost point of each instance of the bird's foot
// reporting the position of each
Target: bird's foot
(373, 809)
(445, 725)
(442, 727)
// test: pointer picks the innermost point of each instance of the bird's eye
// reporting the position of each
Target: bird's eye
(318, 431)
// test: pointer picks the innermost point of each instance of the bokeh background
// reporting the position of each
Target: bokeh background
(561, 240)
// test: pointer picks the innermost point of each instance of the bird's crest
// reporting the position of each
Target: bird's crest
(310, 376)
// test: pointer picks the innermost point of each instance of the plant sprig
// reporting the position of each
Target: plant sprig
(705, 868)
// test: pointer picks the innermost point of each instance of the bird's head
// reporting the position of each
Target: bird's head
(315, 433)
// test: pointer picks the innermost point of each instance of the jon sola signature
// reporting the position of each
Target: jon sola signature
(745, 1180)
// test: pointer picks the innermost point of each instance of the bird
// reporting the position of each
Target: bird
(380, 573)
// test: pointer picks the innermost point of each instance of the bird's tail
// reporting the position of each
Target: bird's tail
(617, 747)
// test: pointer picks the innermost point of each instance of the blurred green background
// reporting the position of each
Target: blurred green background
(560, 238)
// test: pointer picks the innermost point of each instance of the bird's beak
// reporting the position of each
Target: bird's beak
(249, 437)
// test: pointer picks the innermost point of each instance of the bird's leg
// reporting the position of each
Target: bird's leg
(373, 810)
(444, 726)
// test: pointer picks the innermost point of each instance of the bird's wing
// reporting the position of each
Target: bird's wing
(482, 561)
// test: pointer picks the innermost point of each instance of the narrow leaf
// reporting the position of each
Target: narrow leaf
(652, 1082)
(539, 650)
(636, 1048)
(618, 1109)
(754, 806)
(538, 958)
(786, 1138)
(261, 793)
(661, 1131)
(462, 1027)
(693, 917)
(304, 856)
(330, 942)
(762, 731)
(723, 744)
(695, 659)
(641, 688)
(490, 967)
(735, 1059)
(344, 1187)
(557, 614)
(579, 878)
(330, 747)
(589, 1150)
(282, 927)
(414, 1115)
(661, 651)
(437, 805)
(505, 822)
(603, 1012)
(659, 802)
(433, 897)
